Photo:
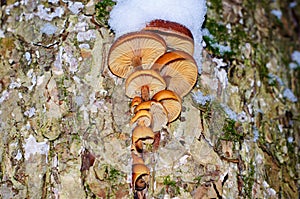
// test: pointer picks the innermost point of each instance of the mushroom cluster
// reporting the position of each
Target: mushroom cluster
(159, 69)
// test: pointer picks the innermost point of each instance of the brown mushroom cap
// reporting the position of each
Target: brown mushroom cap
(134, 102)
(140, 176)
(177, 36)
(143, 134)
(150, 78)
(158, 112)
(133, 50)
(142, 117)
(179, 70)
(171, 101)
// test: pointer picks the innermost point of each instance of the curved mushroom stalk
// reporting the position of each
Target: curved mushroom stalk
(144, 83)
(175, 67)
(137, 159)
(135, 50)
(177, 36)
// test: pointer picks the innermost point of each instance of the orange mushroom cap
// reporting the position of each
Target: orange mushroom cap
(140, 176)
(171, 101)
(135, 49)
(179, 70)
(143, 134)
(158, 112)
(142, 116)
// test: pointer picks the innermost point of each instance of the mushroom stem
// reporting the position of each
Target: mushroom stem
(136, 61)
(156, 140)
(145, 93)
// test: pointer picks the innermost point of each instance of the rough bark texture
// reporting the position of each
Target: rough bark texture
(65, 119)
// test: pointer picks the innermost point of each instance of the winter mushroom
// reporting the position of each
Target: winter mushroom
(134, 102)
(142, 116)
(140, 176)
(135, 50)
(144, 83)
(142, 135)
(158, 112)
(177, 36)
(171, 101)
(179, 70)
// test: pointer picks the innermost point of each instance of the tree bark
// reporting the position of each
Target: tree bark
(65, 129)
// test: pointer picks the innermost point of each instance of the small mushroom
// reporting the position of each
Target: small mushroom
(171, 101)
(158, 112)
(134, 102)
(159, 115)
(140, 176)
(136, 159)
(144, 83)
(179, 70)
(177, 36)
(142, 135)
(135, 50)
(142, 117)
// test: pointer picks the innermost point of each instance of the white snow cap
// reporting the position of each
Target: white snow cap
(133, 15)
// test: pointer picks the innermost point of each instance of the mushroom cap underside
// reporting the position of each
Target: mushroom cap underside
(171, 101)
(150, 78)
(133, 50)
(179, 70)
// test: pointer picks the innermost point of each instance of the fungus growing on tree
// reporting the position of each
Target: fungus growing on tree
(158, 112)
(177, 36)
(140, 176)
(179, 70)
(144, 83)
(170, 101)
(142, 135)
(133, 51)
(142, 117)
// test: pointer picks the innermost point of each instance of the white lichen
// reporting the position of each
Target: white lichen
(32, 147)
(86, 36)
(277, 13)
(200, 98)
(46, 14)
(75, 7)
(4, 96)
(48, 29)
(288, 94)
(296, 57)
(30, 112)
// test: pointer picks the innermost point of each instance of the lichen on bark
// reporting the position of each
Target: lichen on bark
(58, 95)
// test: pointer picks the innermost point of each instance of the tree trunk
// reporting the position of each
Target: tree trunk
(65, 129)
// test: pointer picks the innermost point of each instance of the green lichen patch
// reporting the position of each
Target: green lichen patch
(103, 9)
